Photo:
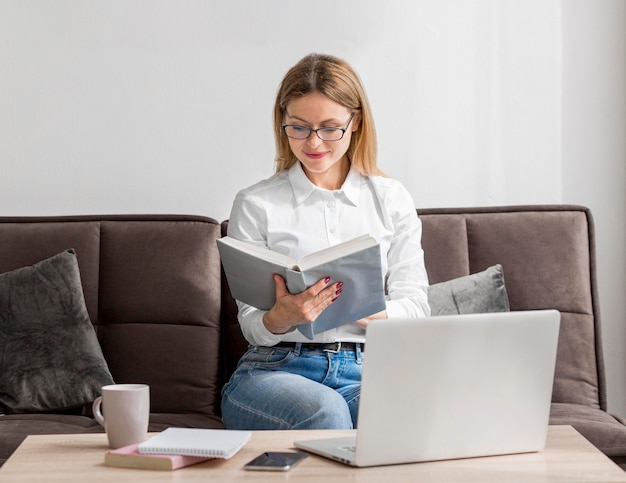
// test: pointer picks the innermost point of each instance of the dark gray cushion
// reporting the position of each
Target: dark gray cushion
(480, 292)
(50, 358)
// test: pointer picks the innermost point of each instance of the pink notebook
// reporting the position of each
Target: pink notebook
(129, 457)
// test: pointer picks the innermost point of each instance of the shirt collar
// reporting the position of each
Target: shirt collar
(302, 186)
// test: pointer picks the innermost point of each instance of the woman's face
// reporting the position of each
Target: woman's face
(324, 162)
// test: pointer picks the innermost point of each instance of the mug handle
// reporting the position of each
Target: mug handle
(97, 403)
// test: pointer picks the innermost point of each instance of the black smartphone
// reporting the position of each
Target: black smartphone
(276, 460)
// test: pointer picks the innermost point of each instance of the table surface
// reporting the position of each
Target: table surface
(568, 457)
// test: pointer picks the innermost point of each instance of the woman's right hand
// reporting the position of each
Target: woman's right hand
(302, 308)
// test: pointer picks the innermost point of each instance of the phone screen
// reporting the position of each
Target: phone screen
(275, 460)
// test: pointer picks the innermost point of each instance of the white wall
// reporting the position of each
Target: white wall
(164, 106)
(594, 158)
(138, 106)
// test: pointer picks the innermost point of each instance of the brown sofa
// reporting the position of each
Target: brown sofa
(163, 314)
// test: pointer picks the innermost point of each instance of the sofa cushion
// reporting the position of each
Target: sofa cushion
(603, 430)
(480, 292)
(159, 309)
(50, 358)
(548, 253)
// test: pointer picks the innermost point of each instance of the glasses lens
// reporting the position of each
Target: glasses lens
(330, 134)
(297, 132)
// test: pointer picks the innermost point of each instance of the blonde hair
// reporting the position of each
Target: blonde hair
(335, 79)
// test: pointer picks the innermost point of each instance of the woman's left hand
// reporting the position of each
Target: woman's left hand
(363, 323)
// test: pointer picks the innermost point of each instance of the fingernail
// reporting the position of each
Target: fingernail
(339, 284)
(334, 299)
(327, 279)
(338, 291)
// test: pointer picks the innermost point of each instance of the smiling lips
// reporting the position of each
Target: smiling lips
(315, 155)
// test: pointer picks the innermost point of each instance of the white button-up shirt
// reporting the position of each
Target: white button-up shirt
(288, 214)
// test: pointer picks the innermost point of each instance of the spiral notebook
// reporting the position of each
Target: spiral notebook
(212, 443)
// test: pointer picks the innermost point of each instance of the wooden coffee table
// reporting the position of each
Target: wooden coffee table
(568, 457)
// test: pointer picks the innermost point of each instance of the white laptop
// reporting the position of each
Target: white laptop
(451, 387)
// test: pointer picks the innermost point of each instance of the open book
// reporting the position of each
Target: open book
(356, 263)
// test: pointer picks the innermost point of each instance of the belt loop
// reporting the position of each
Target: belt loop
(334, 350)
(358, 353)
(297, 348)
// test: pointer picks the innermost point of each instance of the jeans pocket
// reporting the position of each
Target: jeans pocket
(266, 356)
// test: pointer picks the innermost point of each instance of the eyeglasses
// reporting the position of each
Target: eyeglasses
(294, 131)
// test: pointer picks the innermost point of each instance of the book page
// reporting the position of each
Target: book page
(259, 252)
(335, 252)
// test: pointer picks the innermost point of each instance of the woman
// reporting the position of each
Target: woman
(327, 189)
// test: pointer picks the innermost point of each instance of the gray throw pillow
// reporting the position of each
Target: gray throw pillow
(480, 292)
(50, 358)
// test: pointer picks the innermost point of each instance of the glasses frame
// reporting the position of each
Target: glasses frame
(316, 131)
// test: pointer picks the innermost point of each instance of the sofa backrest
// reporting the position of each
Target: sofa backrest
(164, 315)
(152, 289)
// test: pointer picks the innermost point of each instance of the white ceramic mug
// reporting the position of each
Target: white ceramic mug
(127, 411)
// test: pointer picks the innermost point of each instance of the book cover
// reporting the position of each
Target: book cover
(356, 263)
(130, 457)
(212, 443)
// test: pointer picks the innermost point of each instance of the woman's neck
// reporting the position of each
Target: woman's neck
(331, 179)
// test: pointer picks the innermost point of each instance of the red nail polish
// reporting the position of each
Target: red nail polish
(334, 299)
(327, 279)
(338, 291)
(339, 284)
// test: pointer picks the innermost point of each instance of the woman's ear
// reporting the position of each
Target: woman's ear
(356, 122)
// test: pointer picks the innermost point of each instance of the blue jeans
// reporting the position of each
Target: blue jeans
(293, 388)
